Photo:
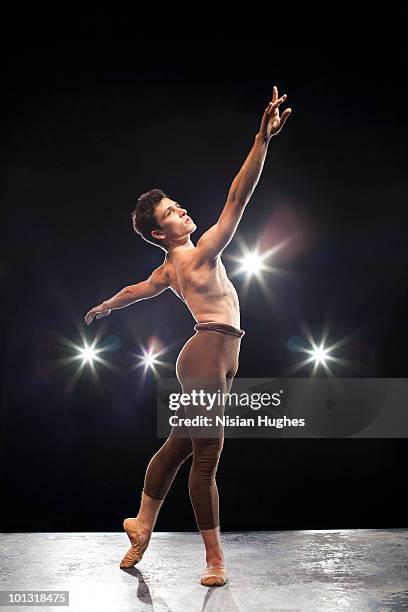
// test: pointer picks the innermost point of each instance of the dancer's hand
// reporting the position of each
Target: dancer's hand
(100, 311)
(271, 123)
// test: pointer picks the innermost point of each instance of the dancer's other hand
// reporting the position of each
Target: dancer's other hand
(98, 311)
(272, 123)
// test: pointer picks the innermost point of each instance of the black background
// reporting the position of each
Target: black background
(88, 129)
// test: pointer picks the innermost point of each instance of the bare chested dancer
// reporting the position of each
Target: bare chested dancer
(197, 276)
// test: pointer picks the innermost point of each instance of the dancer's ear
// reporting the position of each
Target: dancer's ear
(158, 234)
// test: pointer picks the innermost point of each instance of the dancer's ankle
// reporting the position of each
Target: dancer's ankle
(146, 524)
(215, 558)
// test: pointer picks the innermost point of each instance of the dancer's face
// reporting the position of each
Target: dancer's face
(173, 220)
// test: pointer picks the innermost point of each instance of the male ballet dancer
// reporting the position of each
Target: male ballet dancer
(197, 276)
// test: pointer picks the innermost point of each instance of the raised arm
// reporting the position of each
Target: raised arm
(154, 285)
(214, 241)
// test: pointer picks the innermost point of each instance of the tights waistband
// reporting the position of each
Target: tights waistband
(221, 327)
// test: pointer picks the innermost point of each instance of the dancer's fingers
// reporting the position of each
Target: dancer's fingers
(89, 317)
(102, 314)
(274, 93)
(285, 115)
(277, 102)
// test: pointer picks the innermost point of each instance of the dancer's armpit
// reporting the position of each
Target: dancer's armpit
(217, 238)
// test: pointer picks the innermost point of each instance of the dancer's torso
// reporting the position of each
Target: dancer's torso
(205, 288)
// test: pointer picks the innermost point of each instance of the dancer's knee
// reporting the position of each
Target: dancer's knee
(207, 450)
(173, 453)
(205, 464)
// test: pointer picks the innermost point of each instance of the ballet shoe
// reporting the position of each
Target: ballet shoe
(214, 576)
(135, 553)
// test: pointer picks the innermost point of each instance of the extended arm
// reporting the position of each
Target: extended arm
(214, 241)
(244, 183)
(154, 285)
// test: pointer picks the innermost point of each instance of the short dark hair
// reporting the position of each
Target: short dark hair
(143, 218)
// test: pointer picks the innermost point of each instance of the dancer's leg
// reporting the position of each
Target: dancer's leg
(205, 497)
(165, 464)
(159, 476)
(211, 537)
(149, 510)
(209, 356)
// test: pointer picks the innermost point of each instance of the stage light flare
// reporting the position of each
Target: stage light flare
(256, 264)
(320, 355)
(88, 353)
(149, 356)
(149, 359)
(252, 263)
